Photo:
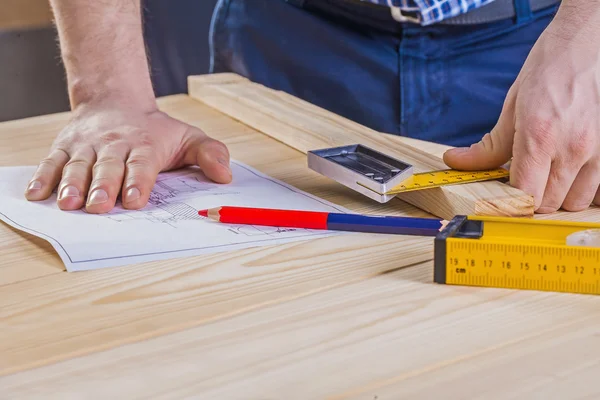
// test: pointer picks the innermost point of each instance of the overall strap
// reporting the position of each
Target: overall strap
(522, 11)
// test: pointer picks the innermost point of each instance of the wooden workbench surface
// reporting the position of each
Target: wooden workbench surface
(333, 318)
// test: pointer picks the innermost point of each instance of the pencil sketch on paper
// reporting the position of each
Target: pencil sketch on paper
(168, 227)
(252, 230)
(166, 203)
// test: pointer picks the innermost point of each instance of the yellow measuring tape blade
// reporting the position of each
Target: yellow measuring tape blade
(522, 253)
(427, 180)
(531, 267)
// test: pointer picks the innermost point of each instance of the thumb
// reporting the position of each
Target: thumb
(211, 156)
(492, 151)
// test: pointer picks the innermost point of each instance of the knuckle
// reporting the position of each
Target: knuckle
(70, 139)
(580, 143)
(221, 146)
(141, 171)
(104, 182)
(146, 140)
(143, 183)
(110, 137)
(139, 162)
(107, 161)
(531, 162)
(48, 162)
(488, 143)
(541, 135)
(77, 163)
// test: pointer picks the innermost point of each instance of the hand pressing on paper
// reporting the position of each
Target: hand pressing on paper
(107, 151)
(118, 141)
(550, 122)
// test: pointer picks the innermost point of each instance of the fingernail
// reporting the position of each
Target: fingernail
(98, 196)
(34, 185)
(69, 191)
(132, 194)
(459, 150)
(224, 163)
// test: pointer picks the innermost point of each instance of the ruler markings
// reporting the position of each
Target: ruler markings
(439, 178)
(524, 266)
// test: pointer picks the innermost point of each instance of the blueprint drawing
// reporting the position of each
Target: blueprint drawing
(169, 227)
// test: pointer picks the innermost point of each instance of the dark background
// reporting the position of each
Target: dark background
(32, 76)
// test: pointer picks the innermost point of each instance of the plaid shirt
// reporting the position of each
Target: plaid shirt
(431, 11)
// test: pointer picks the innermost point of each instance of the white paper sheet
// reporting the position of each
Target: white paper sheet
(169, 227)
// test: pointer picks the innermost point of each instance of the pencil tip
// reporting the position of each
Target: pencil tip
(444, 223)
(203, 213)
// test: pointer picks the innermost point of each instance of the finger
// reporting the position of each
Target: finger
(47, 176)
(560, 180)
(494, 149)
(76, 178)
(141, 170)
(584, 188)
(212, 156)
(529, 172)
(597, 197)
(107, 179)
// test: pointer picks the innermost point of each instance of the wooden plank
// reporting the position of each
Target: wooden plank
(394, 336)
(25, 14)
(82, 313)
(554, 363)
(26, 141)
(24, 256)
(109, 308)
(305, 127)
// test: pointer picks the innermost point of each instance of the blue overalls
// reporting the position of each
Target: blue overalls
(442, 83)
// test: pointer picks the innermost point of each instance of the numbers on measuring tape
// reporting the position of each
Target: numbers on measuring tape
(526, 266)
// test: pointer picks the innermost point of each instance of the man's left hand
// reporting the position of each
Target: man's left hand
(550, 122)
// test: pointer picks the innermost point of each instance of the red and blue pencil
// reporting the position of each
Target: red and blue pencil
(325, 220)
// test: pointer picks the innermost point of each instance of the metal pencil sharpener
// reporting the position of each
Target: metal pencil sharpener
(362, 169)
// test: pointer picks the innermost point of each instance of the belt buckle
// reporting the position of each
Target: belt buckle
(400, 17)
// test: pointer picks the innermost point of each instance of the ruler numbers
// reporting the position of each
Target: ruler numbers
(446, 177)
(523, 266)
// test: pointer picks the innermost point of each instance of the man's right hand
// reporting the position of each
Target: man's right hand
(107, 151)
(118, 141)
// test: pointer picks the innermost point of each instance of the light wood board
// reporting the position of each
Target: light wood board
(327, 319)
(306, 127)
(122, 305)
(395, 336)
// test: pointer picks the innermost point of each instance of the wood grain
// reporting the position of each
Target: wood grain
(305, 127)
(347, 317)
(394, 336)
(87, 312)
(24, 256)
